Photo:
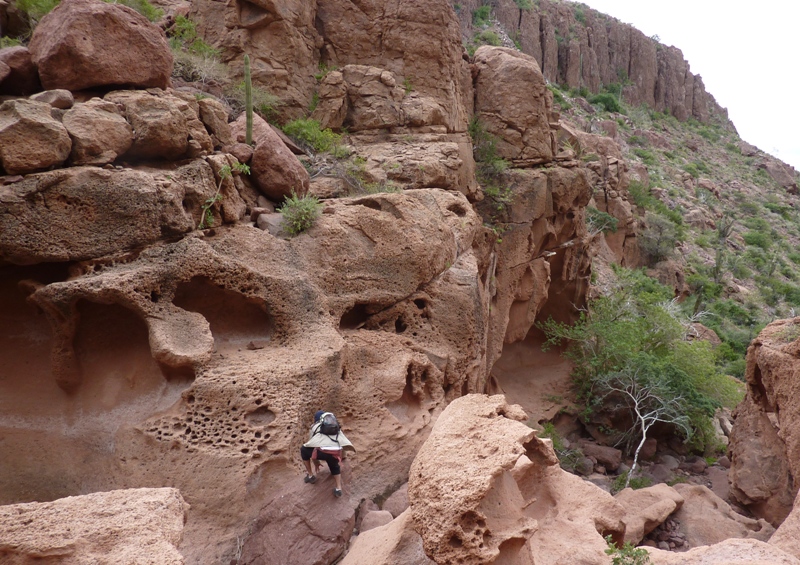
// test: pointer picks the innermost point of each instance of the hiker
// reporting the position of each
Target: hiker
(327, 443)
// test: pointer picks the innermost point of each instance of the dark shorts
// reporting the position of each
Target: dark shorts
(333, 463)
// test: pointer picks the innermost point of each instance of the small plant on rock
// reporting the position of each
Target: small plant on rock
(300, 213)
(226, 172)
(628, 554)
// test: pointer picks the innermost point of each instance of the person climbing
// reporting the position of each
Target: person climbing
(327, 443)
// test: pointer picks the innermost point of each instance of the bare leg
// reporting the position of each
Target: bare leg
(338, 480)
(307, 465)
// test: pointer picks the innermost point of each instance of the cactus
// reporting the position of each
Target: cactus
(248, 102)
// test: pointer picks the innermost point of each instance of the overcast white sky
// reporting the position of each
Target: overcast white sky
(748, 54)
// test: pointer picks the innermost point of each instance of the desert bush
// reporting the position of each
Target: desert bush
(558, 97)
(759, 239)
(300, 213)
(308, 132)
(598, 221)
(607, 100)
(628, 554)
(657, 241)
(481, 15)
(647, 156)
(144, 7)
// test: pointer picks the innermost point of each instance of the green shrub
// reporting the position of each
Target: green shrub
(523, 4)
(183, 35)
(647, 156)
(607, 100)
(480, 16)
(658, 240)
(558, 97)
(637, 140)
(300, 213)
(9, 42)
(35, 10)
(308, 132)
(636, 483)
(599, 221)
(628, 554)
(488, 37)
(144, 7)
(759, 239)
(580, 15)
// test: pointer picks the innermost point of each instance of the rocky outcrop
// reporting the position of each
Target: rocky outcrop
(580, 47)
(394, 543)
(99, 133)
(514, 105)
(71, 47)
(647, 508)
(513, 504)
(728, 552)
(122, 526)
(765, 440)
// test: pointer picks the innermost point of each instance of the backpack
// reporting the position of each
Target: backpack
(329, 425)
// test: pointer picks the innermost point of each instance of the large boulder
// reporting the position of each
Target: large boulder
(647, 508)
(99, 132)
(84, 212)
(512, 503)
(275, 169)
(393, 544)
(787, 536)
(706, 519)
(160, 125)
(22, 77)
(30, 139)
(121, 526)
(513, 104)
(765, 440)
(89, 44)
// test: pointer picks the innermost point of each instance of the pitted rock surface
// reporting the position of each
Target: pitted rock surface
(513, 503)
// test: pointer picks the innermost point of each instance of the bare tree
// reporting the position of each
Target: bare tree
(647, 399)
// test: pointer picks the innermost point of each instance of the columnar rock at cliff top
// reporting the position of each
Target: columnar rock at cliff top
(593, 50)
(765, 441)
(121, 526)
(485, 489)
(89, 43)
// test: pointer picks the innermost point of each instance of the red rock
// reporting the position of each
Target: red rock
(72, 47)
(376, 519)
(23, 77)
(394, 544)
(610, 457)
(99, 133)
(241, 151)
(30, 139)
(215, 117)
(60, 98)
(274, 168)
(397, 503)
(160, 127)
(646, 509)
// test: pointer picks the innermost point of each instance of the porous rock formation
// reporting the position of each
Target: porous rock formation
(765, 441)
(512, 503)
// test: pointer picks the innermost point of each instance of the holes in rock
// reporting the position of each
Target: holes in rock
(369, 203)
(455, 541)
(260, 416)
(354, 318)
(458, 210)
(154, 296)
(420, 303)
(400, 326)
(235, 319)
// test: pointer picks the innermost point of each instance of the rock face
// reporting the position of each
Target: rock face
(70, 46)
(584, 48)
(513, 504)
(123, 526)
(765, 440)
(92, 212)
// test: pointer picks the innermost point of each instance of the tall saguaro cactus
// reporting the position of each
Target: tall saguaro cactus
(248, 102)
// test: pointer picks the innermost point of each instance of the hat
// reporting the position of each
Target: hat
(318, 414)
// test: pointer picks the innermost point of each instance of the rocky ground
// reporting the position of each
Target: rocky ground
(166, 338)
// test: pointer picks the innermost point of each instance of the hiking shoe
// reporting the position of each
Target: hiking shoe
(337, 492)
(310, 479)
